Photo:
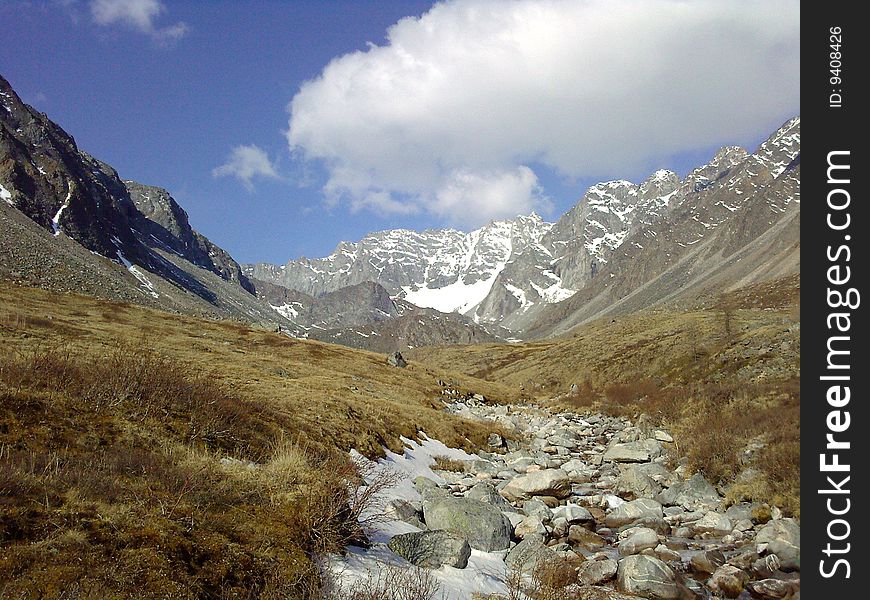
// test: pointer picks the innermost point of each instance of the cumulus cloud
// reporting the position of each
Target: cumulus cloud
(451, 113)
(138, 15)
(245, 163)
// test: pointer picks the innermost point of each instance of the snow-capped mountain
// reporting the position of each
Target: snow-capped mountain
(507, 271)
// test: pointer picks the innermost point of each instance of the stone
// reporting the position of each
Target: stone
(728, 581)
(665, 554)
(713, 523)
(640, 451)
(530, 525)
(538, 509)
(530, 552)
(560, 527)
(663, 436)
(579, 535)
(573, 513)
(593, 572)
(483, 525)
(694, 494)
(402, 510)
(546, 482)
(647, 577)
(397, 360)
(495, 440)
(638, 540)
(772, 589)
(432, 549)
(486, 492)
(633, 482)
(706, 562)
(783, 538)
(642, 510)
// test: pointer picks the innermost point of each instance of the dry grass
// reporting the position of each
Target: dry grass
(448, 464)
(196, 459)
(716, 380)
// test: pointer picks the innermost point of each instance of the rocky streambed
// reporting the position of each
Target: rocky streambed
(592, 492)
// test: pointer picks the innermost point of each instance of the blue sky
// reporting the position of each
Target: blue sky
(286, 127)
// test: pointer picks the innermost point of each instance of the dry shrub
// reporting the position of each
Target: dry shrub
(389, 582)
(548, 580)
(448, 464)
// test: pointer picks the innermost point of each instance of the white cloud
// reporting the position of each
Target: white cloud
(448, 116)
(245, 163)
(138, 15)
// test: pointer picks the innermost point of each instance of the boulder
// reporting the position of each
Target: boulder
(640, 451)
(647, 577)
(483, 525)
(728, 581)
(529, 525)
(402, 510)
(397, 360)
(579, 535)
(572, 513)
(637, 540)
(783, 538)
(486, 492)
(529, 553)
(642, 510)
(633, 482)
(706, 562)
(713, 523)
(694, 494)
(772, 589)
(546, 482)
(432, 549)
(593, 572)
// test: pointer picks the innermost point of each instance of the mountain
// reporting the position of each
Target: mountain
(71, 224)
(527, 274)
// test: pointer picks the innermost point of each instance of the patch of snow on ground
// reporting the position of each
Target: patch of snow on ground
(287, 310)
(458, 297)
(6, 195)
(486, 571)
(134, 270)
(55, 221)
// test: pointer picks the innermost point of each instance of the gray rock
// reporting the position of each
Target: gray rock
(706, 562)
(397, 360)
(713, 523)
(483, 525)
(579, 535)
(593, 572)
(530, 525)
(539, 509)
(486, 492)
(633, 482)
(638, 540)
(783, 538)
(529, 553)
(694, 494)
(647, 577)
(547, 482)
(640, 451)
(772, 589)
(404, 511)
(642, 510)
(572, 513)
(495, 440)
(728, 581)
(432, 549)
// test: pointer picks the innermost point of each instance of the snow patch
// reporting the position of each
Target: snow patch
(486, 571)
(55, 221)
(6, 195)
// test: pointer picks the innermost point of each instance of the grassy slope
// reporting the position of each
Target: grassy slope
(116, 423)
(718, 385)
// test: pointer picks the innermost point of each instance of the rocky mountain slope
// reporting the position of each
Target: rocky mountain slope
(71, 224)
(656, 240)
